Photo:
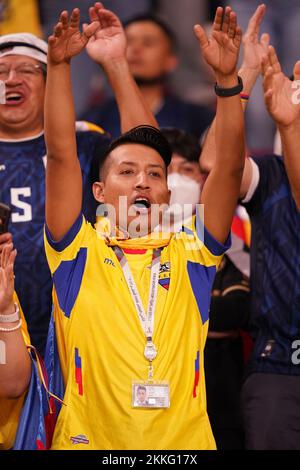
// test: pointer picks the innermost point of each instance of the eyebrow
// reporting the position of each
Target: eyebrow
(151, 165)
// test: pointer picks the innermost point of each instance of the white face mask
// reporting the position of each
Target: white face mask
(184, 190)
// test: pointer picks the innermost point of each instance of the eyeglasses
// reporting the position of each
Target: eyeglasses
(22, 70)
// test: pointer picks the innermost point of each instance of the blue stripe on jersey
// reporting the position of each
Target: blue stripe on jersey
(67, 281)
(202, 276)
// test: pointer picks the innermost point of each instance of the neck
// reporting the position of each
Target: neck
(153, 95)
(16, 133)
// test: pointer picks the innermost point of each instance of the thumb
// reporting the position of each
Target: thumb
(297, 71)
(201, 36)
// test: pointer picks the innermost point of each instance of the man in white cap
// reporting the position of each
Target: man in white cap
(23, 68)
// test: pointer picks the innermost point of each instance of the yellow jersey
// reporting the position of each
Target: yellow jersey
(101, 341)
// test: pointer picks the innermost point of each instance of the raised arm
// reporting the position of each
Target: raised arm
(108, 49)
(222, 187)
(63, 173)
(283, 104)
(255, 47)
(15, 366)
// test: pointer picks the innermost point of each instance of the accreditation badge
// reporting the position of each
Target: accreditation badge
(150, 395)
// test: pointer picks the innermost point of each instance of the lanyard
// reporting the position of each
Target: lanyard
(146, 319)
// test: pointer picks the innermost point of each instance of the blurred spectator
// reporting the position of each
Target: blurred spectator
(84, 70)
(12, 14)
(230, 305)
(151, 54)
(282, 23)
(192, 80)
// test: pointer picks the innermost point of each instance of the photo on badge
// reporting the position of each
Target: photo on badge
(150, 395)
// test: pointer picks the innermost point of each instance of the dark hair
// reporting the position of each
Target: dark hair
(183, 143)
(144, 135)
(141, 387)
(158, 22)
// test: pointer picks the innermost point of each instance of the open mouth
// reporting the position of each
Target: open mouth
(142, 204)
(13, 98)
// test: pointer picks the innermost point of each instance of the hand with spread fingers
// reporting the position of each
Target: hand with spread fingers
(221, 51)
(109, 41)
(67, 40)
(255, 47)
(7, 259)
(279, 90)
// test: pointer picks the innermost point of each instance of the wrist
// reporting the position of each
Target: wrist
(227, 81)
(8, 309)
(249, 77)
(115, 65)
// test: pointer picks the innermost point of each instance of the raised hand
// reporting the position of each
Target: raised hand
(255, 47)
(279, 90)
(7, 259)
(67, 40)
(221, 50)
(109, 41)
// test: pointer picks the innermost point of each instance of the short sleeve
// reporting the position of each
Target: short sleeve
(271, 173)
(67, 248)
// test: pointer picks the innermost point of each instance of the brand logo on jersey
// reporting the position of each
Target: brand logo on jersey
(2, 167)
(109, 262)
(80, 439)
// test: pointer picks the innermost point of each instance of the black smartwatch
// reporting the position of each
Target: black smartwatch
(227, 92)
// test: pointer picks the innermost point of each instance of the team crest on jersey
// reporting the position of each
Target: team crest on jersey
(164, 275)
(2, 167)
(80, 439)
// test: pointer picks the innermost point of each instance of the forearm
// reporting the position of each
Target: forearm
(230, 139)
(208, 155)
(132, 107)
(59, 113)
(291, 151)
(15, 365)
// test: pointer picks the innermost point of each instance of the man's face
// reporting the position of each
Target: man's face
(141, 395)
(184, 167)
(25, 93)
(149, 51)
(138, 173)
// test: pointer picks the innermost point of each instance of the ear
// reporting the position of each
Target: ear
(171, 63)
(98, 191)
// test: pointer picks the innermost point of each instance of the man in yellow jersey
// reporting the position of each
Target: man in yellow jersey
(13, 351)
(132, 305)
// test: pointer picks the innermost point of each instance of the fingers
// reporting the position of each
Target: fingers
(5, 238)
(268, 79)
(265, 63)
(217, 26)
(232, 25)
(75, 19)
(90, 30)
(265, 42)
(297, 71)
(226, 20)
(273, 59)
(256, 20)
(238, 37)
(7, 249)
(108, 18)
(201, 36)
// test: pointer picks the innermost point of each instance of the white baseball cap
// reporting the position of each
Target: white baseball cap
(24, 44)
